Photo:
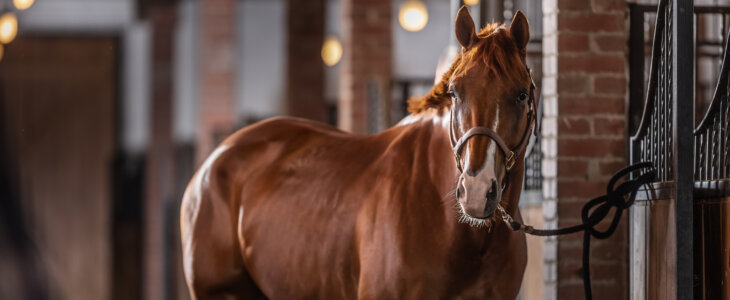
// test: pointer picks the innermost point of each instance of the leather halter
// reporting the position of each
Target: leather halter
(509, 154)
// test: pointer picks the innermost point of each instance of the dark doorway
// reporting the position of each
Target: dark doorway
(59, 97)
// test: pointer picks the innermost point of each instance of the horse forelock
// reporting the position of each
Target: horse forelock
(495, 51)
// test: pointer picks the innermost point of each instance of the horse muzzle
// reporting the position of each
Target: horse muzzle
(478, 195)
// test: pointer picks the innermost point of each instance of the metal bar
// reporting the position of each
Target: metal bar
(683, 119)
(636, 67)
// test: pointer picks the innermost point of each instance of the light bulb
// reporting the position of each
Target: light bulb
(471, 2)
(8, 27)
(413, 15)
(331, 51)
(23, 4)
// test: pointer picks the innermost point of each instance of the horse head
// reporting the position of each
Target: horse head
(492, 111)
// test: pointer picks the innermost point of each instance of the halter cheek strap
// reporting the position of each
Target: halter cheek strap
(509, 154)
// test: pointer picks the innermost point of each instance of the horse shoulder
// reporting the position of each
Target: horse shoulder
(397, 226)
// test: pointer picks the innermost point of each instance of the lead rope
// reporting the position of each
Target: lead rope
(593, 213)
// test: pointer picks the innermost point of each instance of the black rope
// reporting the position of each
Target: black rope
(621, 197)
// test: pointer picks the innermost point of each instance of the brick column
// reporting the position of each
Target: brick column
(366, 63)
(584, 129)
(305, 69)
(160, 170)
(215, 105)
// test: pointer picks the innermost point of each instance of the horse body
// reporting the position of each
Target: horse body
(294, 209)
(380, 222)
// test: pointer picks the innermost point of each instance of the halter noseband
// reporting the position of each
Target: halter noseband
(510, 156)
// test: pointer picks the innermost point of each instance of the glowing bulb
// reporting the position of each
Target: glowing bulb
(471, 2)
(331, 51)
(23, 4)
(413, 15)
(8, 27)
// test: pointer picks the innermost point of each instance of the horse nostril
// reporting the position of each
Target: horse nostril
(492, 192)
(458, 192)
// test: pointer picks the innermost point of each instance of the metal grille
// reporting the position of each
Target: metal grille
(533, 166)
(711, 136)
(653, 140)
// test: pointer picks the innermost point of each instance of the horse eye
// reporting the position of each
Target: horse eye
(522, 97)
(452, 95)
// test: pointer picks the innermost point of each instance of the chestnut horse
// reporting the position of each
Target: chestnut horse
(293, 209)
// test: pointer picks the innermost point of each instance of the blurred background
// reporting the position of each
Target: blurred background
(108, 106)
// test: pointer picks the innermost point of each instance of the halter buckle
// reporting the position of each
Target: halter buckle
(509, 161)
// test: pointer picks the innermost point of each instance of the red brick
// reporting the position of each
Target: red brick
(570, 210)
(573, 42)
(568, 221)
(591, 22)
(606, 272)
(570, 274)
(609, 168)
(610, 85)
(590, 147)
(581, 105)
(572, 84)
(572, 168)
(578, 189)
(607, 63)
(577, 126)
(572, 291)
(305, 70)
(610, 43)
(609, 126)
(568, 5)
(608, 5)
(602, 251)
(216, 116)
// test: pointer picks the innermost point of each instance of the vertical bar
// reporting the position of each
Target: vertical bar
(683, 119)
(720, 138)
(636, 66)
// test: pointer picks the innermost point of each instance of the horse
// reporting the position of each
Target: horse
(293, 209)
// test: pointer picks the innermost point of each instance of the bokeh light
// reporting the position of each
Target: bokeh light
(23, 4)
(331, 51)
(413, 15)
(8, 27)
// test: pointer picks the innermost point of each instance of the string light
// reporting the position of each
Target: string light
(23, 4)
(8, 27)
(331, 51)
(413, 15)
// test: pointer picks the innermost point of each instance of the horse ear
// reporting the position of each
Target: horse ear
(465, 32)
(520, 30)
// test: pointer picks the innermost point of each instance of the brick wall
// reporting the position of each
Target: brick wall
(584, 129)
(160, 188)
(305, 70)
(215, 106)
(366, 62)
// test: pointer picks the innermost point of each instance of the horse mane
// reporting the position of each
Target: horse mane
(494, 50)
